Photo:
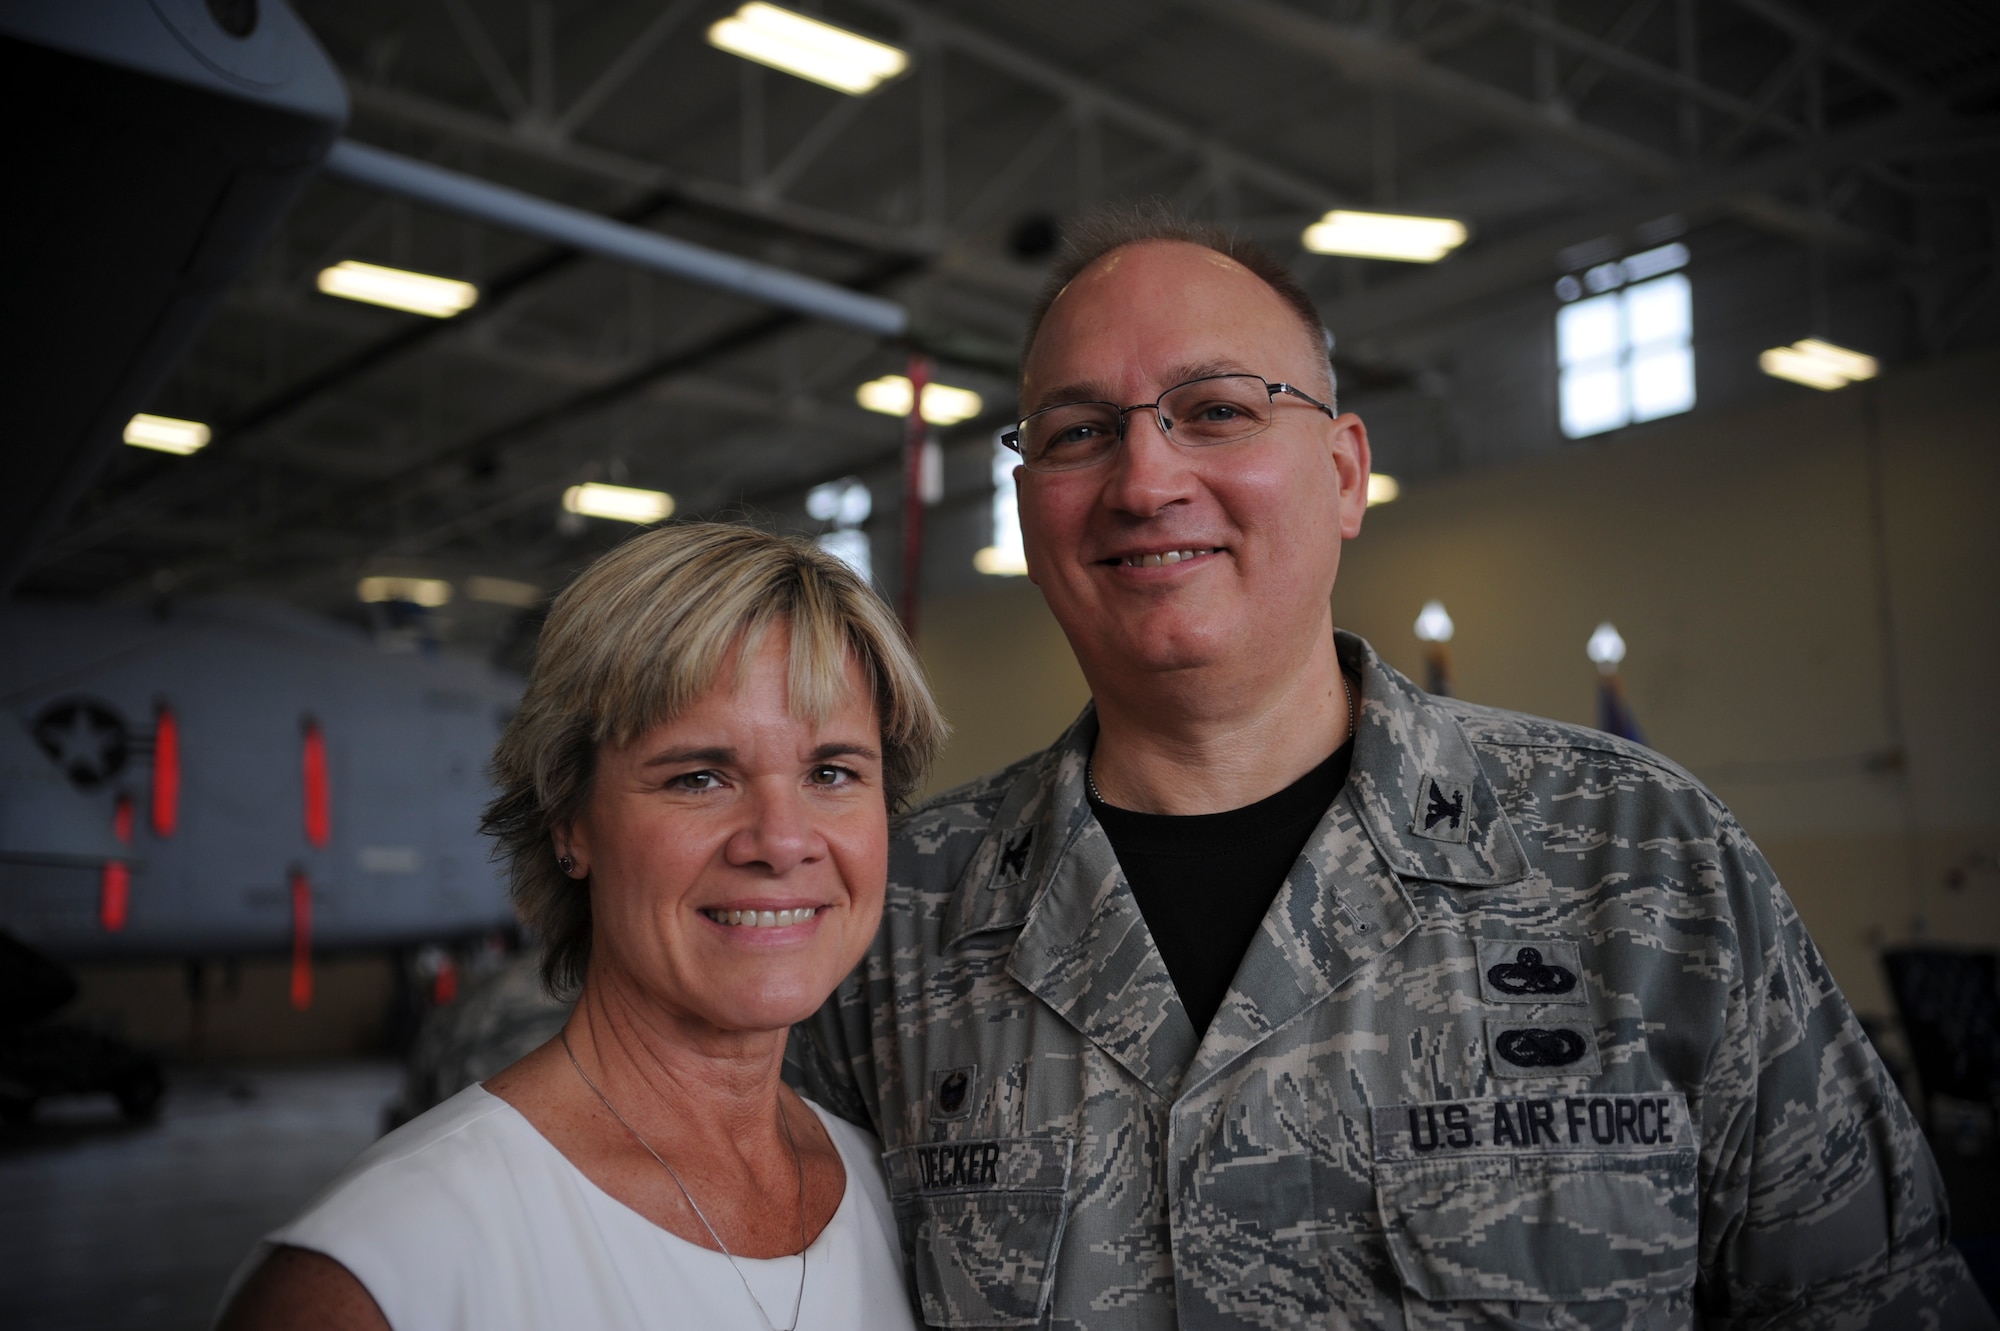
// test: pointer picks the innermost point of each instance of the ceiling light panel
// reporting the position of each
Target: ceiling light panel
(503, 591)
(427, 592)
(619, 503)
(164, 434)
(943, 404)
(1385, 236)
(1818, 364)
(417, 293)
(833, 57)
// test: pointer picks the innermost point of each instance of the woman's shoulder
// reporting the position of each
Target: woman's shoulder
(862, 1154)
(442, 1159)
(847, 1137)
(473, 1120)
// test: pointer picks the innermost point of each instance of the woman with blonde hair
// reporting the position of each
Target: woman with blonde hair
(693, 805)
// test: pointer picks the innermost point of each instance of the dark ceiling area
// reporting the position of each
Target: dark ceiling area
(1841, 159)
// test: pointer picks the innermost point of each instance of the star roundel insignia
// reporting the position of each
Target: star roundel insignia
(88, 739)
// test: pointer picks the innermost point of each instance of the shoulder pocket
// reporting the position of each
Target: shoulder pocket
(981, 1221)
(1540, 1201)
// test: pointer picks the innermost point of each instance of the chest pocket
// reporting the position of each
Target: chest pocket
(1586, 1201)
(981, 1221)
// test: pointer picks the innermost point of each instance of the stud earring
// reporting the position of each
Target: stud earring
(567, 863)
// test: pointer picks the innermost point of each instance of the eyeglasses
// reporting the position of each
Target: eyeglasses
(1218, 409)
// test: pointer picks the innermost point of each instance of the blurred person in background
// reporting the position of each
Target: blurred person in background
(693, 799)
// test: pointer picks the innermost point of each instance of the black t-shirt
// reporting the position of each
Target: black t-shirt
(1205, 881)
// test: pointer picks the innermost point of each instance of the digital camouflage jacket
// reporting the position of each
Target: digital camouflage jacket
(1531, 1037)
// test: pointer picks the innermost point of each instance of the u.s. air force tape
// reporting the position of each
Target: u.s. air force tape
(1626, 1123)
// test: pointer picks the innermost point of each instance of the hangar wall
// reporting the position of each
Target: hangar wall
(1745, 558)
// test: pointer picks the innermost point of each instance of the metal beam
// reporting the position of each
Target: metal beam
(614, 76)
(933, 27)
(1371, 59)
(486, 57)
(1613, 56)
(409, 109)
(1514, 263)
(1366, 57)
(1808, 32)
(496, 205)
(437, 466)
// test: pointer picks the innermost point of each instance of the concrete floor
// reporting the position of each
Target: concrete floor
(106, 1226)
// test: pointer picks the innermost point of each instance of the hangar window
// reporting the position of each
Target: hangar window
(845, 504)
(1005, 557)
(1624, 341)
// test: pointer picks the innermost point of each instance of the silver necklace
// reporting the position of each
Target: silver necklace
(799, 1301)
(1353, 712)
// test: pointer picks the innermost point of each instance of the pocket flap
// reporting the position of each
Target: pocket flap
(981, 1222)
(1501, 1201)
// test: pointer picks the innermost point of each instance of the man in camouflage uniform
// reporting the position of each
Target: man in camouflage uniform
(1529, 1035)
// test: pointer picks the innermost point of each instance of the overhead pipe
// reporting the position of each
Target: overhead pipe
(421, 182)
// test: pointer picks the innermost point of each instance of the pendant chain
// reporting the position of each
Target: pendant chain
(798, 1164)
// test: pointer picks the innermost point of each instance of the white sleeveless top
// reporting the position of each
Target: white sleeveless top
(468, 1217)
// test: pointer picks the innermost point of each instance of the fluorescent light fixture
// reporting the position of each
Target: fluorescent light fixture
(1605, 647)
(1818, 364)
(1433, 624)
(943, 404)
(427, 592)
(1385, 236)
(1382, 488)
(504, 591)
(418, 293)
(834, 57)
(1001, 562)
(165, 434)
(618, 502)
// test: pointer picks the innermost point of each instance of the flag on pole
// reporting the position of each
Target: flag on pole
(1614, 713)
(1434, 630)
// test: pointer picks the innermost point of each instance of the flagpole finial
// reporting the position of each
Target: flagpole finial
(1606, 648)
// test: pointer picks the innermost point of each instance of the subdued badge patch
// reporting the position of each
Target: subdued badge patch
(1519, 1048)
(951, 1091)
(1444, 809)
(1014, 859)
(1530, 970)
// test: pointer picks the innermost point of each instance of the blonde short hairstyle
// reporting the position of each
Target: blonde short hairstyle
(641, 635)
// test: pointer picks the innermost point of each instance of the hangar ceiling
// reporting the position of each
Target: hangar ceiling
(1857, 140)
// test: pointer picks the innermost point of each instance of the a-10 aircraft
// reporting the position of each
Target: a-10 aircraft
(239, 777)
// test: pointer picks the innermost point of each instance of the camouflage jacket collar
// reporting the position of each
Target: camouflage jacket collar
(1417, 805)
(1418, 786)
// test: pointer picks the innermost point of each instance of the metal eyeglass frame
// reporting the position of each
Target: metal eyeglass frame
(1012, 438)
